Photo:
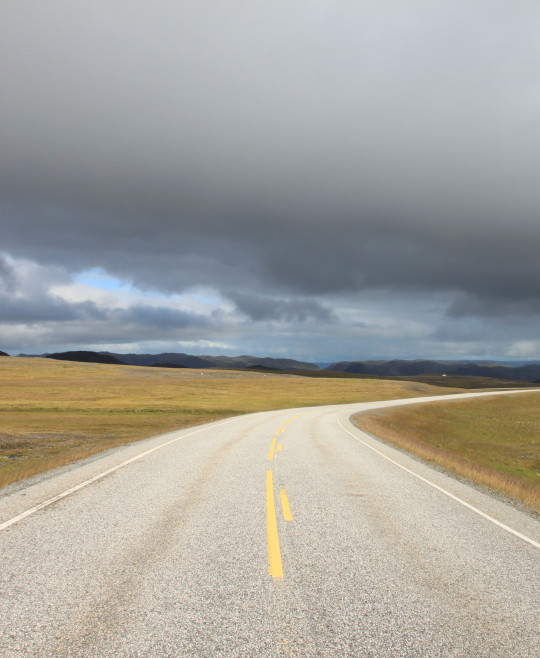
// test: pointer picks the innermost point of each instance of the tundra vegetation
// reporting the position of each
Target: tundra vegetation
(494, 442)
(55, 412)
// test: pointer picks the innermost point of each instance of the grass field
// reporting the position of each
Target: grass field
(491, 441)
(54, 412)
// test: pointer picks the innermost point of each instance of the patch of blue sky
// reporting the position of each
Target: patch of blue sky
(208, 299)
(102, 280)
(98, 278)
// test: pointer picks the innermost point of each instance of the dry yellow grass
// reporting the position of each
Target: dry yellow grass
(492, 441)
(53, 412)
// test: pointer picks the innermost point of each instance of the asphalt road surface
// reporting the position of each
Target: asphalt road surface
(286, 533)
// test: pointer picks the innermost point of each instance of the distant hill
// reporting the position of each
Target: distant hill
(3, 353)
(512, 371)
(401, 368)
(85, 357)
(169, 359)
(206, 361)
(180, 360)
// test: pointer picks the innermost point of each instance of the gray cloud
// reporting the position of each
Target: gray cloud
(21, 304)
(7, 278)
(26, 299)
(47, 309)
(161, 318)
(51, 326)
(261, 307)
(291, 154)
(466, 306)
(24, 296)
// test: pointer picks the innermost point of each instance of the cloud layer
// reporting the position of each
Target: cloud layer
(311, 163)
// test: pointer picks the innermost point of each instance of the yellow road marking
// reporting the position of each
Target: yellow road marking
(285, 506)
(275, 565)
(280, 447)
(272, 448)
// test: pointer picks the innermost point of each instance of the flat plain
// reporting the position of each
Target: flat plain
(55, 412)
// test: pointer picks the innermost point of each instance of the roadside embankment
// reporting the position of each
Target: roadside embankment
(493, 442)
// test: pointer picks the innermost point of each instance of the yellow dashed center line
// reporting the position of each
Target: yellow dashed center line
(272, 448)
(285, 508)
(275, 565)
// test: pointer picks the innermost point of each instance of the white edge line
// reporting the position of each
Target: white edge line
(446, 493)
(50, 501)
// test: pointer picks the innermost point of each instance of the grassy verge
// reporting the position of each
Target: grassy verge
(492, 441)
(54, 412)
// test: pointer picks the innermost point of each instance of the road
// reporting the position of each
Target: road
(284, 533)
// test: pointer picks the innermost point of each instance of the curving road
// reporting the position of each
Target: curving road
(285, 533)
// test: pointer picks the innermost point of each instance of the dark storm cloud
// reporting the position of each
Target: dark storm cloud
(7, 276)
(486, 334)
(466, 306)
(162, 318)
(46, 309)
(280, 149)
(261, 307)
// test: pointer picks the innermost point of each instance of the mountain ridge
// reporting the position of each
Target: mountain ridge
(181, 360)
(517, 371)
(401, 367)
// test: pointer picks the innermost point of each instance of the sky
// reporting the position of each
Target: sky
(325, 180)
